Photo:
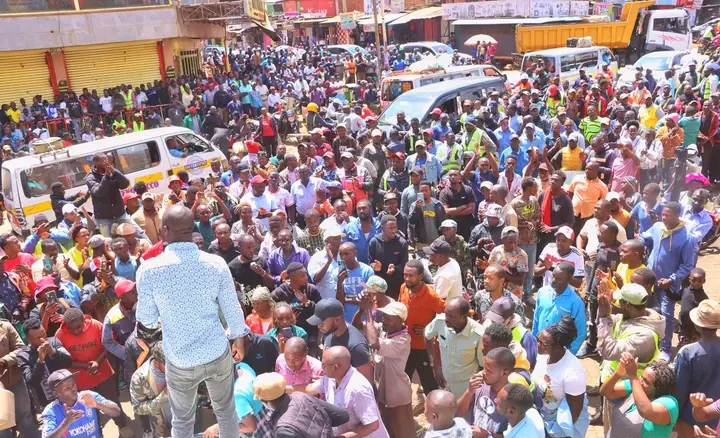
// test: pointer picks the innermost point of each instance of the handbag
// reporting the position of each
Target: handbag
(7, 408)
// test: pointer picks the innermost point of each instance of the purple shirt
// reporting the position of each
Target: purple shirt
(277, 262)
(355, 395)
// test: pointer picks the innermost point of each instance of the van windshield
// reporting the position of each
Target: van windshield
(415, 105)
(531, 61)
(392, 89)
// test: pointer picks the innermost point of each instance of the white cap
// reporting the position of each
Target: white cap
(68, 208)
(376, 133)
(332, 232)
(395, 308)
(524, 76)
(565, 231)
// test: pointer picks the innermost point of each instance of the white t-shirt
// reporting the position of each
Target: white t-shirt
(591, 232)
(448, 280)
(258, 202)
(553, 381)
(106, 103)
(573, 257)
(282, 198)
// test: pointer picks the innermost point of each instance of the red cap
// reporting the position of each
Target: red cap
(437, 111)
(257, 179)
(123, 286)
(398, 155)
(329, 155)
(129, 196)
(428, 131)
(252, 147)
(45, 283)
(173, 179)
(552, 89)
(192, 110)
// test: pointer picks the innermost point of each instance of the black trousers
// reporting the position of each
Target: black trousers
(419, 361)
(109, 390)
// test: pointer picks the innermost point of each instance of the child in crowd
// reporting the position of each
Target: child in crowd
(692, 295)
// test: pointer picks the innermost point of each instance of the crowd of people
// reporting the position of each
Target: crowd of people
(297, 293)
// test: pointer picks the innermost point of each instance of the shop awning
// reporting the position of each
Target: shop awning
(420, 14)
(268, 29)
(495, 21)
(310, 20)
(389, 18)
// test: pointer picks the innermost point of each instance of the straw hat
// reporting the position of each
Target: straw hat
(269, 386)
(706, 314)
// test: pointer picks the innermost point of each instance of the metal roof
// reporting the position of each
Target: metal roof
(420, 14)
(493, 21)
(389, 18)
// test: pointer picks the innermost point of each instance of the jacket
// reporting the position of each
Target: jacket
(417, 223)
(35, 374)
(303, 416)
(641, 343)
(106, 197)
(672, 254)
(10, 345)
(58, 201)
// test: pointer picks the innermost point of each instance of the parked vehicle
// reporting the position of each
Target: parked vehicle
(433, 47)
(140, 156)
(566, 62)
(658, 62)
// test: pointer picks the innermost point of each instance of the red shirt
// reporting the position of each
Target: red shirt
(86, 348)
(267, 129)
(22, 259)
(422, 308)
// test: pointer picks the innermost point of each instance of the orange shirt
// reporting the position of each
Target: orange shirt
(86, 348)
(670, 141)
(586, 194)
(422, 308)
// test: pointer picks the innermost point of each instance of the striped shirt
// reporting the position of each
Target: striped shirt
(590, 128)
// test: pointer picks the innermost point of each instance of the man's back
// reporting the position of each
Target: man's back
(192, 330)
(302, 417)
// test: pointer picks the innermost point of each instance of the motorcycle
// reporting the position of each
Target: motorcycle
(288, 124)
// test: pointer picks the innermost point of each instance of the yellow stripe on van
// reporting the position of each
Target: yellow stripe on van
(157, 176)
(37, 208)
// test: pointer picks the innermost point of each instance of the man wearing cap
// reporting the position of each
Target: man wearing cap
(388, 253)
(448, 278)
(429, 163)
(391, 343)
(296, 415)
(374, 152)
(343, 141)
(391, 202)
(58, 199)
(636, 329)
(503, 133)
(76, 414)
(262, 204)
(532, 137)
(396, 178)
(176, 194)
(442, 128)
(560, 251)
(431, 145)
(459, 202)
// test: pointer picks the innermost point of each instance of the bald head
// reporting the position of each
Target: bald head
(337, 355)
(178, 222)
(440, 409)
(296, 345)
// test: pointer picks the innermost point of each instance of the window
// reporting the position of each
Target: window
(185, 144)
(36, 181)
(567, 63)
(491, 72)
(7, 184)
(449, 106)
(587, 59)
(674, 25)
(137, 157)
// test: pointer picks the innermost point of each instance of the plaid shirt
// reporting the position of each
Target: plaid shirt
(264, 425)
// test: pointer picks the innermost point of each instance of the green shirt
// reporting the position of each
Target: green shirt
(691, 128)
(650, 429)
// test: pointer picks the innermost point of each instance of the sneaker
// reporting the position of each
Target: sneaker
(596, 419)
(148, 435)
(587, 350)
(122, 385)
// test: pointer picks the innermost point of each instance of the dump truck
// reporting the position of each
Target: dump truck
(639, 28)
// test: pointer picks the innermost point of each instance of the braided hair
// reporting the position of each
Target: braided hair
(563, 332)
(664, 378)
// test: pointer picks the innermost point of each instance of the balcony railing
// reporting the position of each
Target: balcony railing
(36, 6)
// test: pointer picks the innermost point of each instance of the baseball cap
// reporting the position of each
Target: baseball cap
(612, 196)
(58, 377)
(332, 232)
(565, 231)
(375, 284)
(493, 210)
(43, 284)
(436, 111)
(633, 293)
(390, 196)
(514, 137)
(171, 180)
(257, 179)
(507, 231)
(398, 155)
(39, 219)
(147, 195)
(501, 310)
(125, 229)
(242, 167)
(96, 241)
(68, 208)
(448, 223)
(324, 309)
(486, 185)
(329, 155)
(376, 133)
(123, 286)
(438, 247)
(420, 143)
(428, 131)
(346, 155)
(530, 125)
(418, 170)
(127, 197)
(395, 308)
(252, 147)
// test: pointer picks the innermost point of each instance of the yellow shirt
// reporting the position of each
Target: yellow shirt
(14, 115)
(77, 256)
(626, 273)
(571, 159)
(585, 194)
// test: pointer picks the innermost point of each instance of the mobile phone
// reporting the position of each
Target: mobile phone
(103, 265)
(47, 264)
(52, 297)
(286, 333)
(341, 265)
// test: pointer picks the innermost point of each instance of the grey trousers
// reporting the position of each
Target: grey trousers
(182, 390)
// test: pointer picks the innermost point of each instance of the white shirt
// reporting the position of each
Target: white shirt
(141, 98)
(591, 231)
(448, 280)
(41, 133)
(573, 257)
(106, 103)
(553, 381)
(87, 137)
(304, 196)
(282, 198)
(512, 188)
(356, 123)
(263, 201)
(273, 99)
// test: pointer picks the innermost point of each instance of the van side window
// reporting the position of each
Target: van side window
(606, 56)
(567, 63)
(490, 72)
(36, 181)
(137, 157)
(587, 59)
(449, 106)
(182, 145)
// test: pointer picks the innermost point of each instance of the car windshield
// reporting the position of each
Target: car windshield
(444, 48)
(415, 105)
(354, 49)
(531, 62)
(654, 63)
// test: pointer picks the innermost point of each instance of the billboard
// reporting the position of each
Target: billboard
(255, 9)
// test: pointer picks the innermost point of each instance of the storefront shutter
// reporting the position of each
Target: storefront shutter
(24, 74)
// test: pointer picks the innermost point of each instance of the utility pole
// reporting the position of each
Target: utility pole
(380, 61)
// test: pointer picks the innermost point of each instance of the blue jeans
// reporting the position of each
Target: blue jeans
(26, 424)
(667, 308)
(182, 387)
(531, 251)
(105, 226)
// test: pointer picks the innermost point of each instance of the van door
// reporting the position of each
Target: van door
(448, 104)
(144, 162)
(589, 60)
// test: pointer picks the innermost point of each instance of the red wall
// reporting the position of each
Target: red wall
(311, 6)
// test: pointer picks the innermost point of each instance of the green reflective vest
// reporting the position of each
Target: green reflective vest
(608, 367)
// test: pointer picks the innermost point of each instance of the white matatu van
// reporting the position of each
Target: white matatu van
(140, 156)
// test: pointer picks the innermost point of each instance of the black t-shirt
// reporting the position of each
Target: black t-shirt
(243, 273)
(74, 109)
(285, 293)
(453, 199)
(228, 255)
(262, 354)
(355, 342)
(561, 211)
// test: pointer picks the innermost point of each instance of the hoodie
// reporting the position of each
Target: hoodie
(673, 252)
(641, 344)
(85, 348)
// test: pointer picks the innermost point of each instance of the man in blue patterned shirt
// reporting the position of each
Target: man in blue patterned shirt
(186, 289)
